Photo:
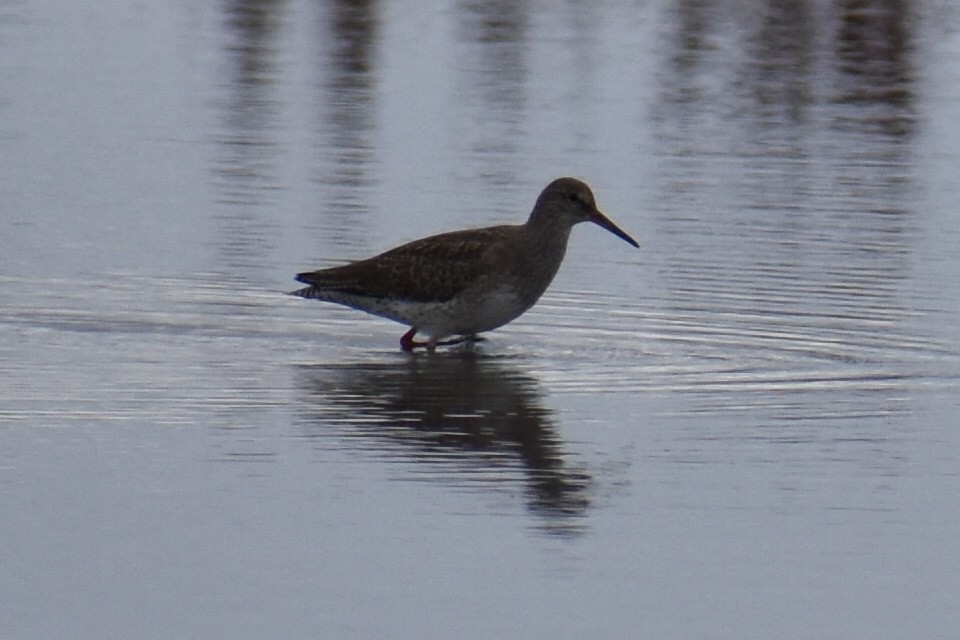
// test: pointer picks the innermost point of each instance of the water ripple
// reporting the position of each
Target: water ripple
(577, 341)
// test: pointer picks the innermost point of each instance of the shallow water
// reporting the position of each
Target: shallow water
(747, 428)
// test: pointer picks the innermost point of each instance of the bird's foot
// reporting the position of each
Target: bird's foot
(407, 343)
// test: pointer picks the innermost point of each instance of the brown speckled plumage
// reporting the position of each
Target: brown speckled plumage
(464, 282)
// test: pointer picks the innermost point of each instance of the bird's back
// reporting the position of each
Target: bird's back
(430, 270)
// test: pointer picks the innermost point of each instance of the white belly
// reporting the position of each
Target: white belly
(466, 315)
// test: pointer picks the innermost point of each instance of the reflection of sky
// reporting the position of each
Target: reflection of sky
(98, 117)
(447, 98)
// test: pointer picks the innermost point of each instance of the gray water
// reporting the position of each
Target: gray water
(749, 428)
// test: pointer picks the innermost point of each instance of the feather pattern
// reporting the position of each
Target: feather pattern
(464, 282)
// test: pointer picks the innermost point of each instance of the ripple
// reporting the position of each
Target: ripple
(608, 344)
(729, 343)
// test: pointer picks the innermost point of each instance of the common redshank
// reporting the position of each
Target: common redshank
(461, 283)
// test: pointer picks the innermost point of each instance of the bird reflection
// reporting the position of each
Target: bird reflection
(462, 417)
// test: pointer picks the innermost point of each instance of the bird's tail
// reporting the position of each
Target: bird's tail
(311, 293)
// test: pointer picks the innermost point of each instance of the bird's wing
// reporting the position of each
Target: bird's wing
(433, 269)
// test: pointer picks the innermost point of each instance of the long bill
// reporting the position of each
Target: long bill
(603, 221)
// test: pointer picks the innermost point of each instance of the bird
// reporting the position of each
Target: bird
(453, 286)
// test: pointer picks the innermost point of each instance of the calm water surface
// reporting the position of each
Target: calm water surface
(748, 428)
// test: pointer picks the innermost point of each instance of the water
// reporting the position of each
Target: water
(747, 428)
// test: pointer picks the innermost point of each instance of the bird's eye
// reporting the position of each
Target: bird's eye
(573, 197)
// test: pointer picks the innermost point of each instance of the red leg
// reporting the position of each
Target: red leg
(407, 343)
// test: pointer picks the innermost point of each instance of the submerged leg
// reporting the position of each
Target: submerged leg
(461, 340)
(407, 343)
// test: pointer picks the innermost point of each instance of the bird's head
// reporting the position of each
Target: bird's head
(568, 201)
